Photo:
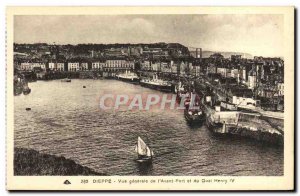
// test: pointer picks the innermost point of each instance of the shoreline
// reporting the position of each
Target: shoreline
(29, 162)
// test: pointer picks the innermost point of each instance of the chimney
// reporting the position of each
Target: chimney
(200, 54)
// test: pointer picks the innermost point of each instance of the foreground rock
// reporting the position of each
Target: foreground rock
(29, 162)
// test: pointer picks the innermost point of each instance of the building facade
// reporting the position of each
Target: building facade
(74, 66)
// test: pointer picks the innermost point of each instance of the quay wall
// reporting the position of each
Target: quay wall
(71, 75)
(245, 125)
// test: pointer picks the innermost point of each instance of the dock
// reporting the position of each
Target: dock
(251, 122)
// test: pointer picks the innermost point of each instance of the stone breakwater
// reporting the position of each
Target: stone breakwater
(28, 162)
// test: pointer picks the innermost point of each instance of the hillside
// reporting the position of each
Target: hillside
(28, 162)
(206, 54)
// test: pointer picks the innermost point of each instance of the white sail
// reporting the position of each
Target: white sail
(136, 149)
(149, 154)
(141, 147)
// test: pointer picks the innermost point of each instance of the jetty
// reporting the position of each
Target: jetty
(247, 121)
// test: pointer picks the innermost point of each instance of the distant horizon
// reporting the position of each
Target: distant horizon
(203, 50)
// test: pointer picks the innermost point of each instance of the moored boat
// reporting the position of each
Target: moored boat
(193, 112)
(194, 116)
(128, 77)
(144, 153)
(157, 84)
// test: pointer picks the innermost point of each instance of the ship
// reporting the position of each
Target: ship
(144, 153)
(193, 112)
(129, 77)
(157, 84)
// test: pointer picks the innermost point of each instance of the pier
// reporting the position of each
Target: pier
(251, 122)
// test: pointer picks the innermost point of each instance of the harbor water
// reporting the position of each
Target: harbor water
(65, 120)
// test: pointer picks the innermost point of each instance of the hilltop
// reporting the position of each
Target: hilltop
(207, 53)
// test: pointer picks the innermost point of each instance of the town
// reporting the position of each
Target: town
(237, 94)
(259, 79)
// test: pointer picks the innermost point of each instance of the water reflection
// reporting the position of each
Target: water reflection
(144, 169)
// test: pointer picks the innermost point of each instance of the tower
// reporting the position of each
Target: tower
(199, 53)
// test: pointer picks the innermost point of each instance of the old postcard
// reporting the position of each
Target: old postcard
(150, 98)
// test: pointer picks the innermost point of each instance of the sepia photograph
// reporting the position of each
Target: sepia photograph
(141, 94)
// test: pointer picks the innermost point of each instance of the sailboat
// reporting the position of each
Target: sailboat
(145, 154)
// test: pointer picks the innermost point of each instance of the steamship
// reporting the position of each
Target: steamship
(129, 77)
(157, 84)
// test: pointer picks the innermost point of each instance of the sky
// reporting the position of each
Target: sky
(254, 34)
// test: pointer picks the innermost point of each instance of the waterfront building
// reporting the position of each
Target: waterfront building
(97, 65)
(280, 87)
(30, 66)
(114, 63)
(73, 66)
(42, 65)
(118, 64)
(26, 66)
(84, 66)
(52, 66)
(60, 66)
(56, 66)
(147, 65)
